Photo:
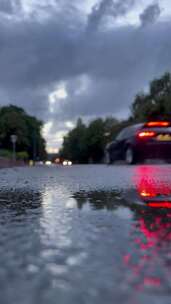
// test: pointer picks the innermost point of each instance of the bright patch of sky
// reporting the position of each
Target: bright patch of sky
(32, 7)
(56, 96)
(53, 140)
(69, 124)
(59, 93)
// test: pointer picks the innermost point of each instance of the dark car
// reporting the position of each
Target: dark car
(151, 140)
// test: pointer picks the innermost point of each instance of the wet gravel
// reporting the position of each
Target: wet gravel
(85, 234)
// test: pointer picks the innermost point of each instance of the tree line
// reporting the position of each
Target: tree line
(30, 143)
(86, 143)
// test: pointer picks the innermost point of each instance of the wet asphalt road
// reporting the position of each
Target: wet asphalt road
(85, 234)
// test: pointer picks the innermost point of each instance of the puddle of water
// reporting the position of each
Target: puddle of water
(86, 240)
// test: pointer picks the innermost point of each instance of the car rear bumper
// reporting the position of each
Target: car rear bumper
(154, 150)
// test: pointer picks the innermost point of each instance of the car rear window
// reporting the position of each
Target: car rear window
(128, 132)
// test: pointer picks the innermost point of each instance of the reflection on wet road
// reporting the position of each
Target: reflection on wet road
(85, 234)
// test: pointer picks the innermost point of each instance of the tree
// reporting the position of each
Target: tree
(37, 144)
(156, 103)
(14, 120)
(86, 144)
(96, 140)
(74, 146)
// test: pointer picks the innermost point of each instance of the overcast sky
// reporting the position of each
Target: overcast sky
(62, 59)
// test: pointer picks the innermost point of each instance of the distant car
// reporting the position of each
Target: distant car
(151, 140)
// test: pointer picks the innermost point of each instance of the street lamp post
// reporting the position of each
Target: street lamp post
(14, 140)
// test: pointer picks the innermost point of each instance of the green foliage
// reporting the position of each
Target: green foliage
(23, 155)
(74, 146)
(14, 120)
(85, 144)
(5, 153)
(155, 104)
(95, 139)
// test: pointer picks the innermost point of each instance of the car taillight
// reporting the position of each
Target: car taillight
(146, 134)
(158, 124)
(160, 204)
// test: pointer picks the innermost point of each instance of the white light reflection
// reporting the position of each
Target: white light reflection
(56, 218)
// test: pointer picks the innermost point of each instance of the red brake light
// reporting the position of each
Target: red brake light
(158, 124)
(160, 205)
(146, 134)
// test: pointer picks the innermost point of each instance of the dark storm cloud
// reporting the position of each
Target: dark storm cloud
(150, 14)
(105, 8)
(102, 70)
(6, 6)
(9, 7)
(34, 56)
(118, 64)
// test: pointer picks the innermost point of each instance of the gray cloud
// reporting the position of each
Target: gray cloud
(150, 14)
(6, 6)
(10, 7)
(106, 8)
(101, 72)
(117, 65)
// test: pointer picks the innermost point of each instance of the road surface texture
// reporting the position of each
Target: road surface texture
(85, 235)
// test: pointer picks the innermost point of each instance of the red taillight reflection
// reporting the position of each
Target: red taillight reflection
(154, 186)
(160, 204)
(146, 134)
(158, 124)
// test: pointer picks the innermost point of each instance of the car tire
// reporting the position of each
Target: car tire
(130, 156)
